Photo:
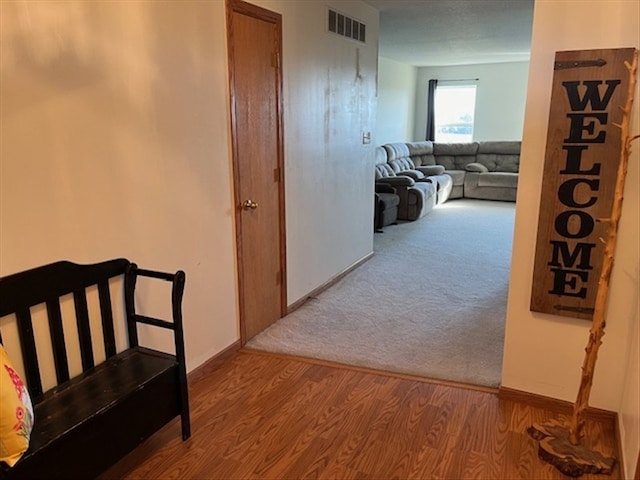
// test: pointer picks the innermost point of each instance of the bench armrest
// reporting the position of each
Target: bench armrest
(177, 290)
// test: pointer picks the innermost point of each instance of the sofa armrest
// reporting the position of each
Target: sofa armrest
(384, 188)
(428, 170)
(415, 174)
(397, 181)
(476, 167)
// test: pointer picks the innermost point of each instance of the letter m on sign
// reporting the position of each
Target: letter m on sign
(578, 183)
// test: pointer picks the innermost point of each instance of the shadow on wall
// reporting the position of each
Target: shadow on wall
(73, 47)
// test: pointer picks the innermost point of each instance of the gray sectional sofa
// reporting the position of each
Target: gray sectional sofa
(416, 198)
(400, 159)
(480, 170)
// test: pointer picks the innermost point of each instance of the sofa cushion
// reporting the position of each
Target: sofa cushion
(401, 164)
(444, 186)
(451, 162)
(428, 188)
(384, 170)
(389, 200)
(507, 163)
(457, 176)
(398, 157)
(498, 179)
(502, 148)
(396, 151)
(500, 156)
(421, 153)
(380, 156)
(455, 156)
(500, 162)
(455, 149)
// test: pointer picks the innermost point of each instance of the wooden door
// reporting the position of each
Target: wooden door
(255, 44)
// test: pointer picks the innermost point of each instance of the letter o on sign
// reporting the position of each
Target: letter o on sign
(585, 225)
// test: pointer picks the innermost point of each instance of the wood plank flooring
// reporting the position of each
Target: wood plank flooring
(262, 416)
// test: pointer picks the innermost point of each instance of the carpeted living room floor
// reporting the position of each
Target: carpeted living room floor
(431, 302)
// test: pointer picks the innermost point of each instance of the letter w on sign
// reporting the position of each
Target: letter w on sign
(580, 169)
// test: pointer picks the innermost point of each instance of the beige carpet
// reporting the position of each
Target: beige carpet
(431, 302)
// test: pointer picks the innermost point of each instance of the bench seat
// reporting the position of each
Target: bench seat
(72, 414)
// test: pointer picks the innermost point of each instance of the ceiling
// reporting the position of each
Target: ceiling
(454, 32)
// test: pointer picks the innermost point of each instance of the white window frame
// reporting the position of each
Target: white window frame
(458, 129)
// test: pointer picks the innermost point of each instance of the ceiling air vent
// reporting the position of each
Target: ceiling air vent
(347, 26)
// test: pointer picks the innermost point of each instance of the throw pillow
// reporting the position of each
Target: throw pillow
(16, 413)
(476, 167)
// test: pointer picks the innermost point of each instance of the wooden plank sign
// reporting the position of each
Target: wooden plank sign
(581, 161)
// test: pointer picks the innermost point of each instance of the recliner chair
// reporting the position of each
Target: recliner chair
(416, 198)
(402, 159)
(385, 206)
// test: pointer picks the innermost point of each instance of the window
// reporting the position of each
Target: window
(454, 112)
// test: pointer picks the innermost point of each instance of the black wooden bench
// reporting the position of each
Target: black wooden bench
(88, 422)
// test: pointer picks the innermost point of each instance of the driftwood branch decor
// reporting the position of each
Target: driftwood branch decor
(559, 444)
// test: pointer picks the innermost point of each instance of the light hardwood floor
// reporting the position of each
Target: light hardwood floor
(262, 416)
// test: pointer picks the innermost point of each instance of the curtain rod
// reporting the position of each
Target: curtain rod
(457, 80)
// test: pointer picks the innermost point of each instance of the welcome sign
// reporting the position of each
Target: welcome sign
(581, 160)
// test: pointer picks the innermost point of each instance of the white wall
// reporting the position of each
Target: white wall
(329, 98)
(629, 412)
(396, 101)
(543, 353)
(115, 143)
(114, 131)
(500, 98)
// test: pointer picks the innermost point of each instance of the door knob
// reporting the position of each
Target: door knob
(249, 205)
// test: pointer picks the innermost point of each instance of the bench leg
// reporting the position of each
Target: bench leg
(186, 426)
(184, 403)
(184, 415)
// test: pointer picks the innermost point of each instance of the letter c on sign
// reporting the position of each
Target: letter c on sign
(567, 192)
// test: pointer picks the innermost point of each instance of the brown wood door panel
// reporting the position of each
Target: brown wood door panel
(254, 49)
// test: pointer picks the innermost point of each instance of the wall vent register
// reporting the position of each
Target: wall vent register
(346, 26)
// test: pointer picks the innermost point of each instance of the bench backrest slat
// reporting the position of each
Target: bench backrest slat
(130, 279)
(29, 353)
(46, 285)
(26, 289)
(104, 294)
(58, 344)
(84, 330)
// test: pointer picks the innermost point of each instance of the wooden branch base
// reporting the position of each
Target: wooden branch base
(555, 448)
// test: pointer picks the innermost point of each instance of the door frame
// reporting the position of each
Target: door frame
(239, 6)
